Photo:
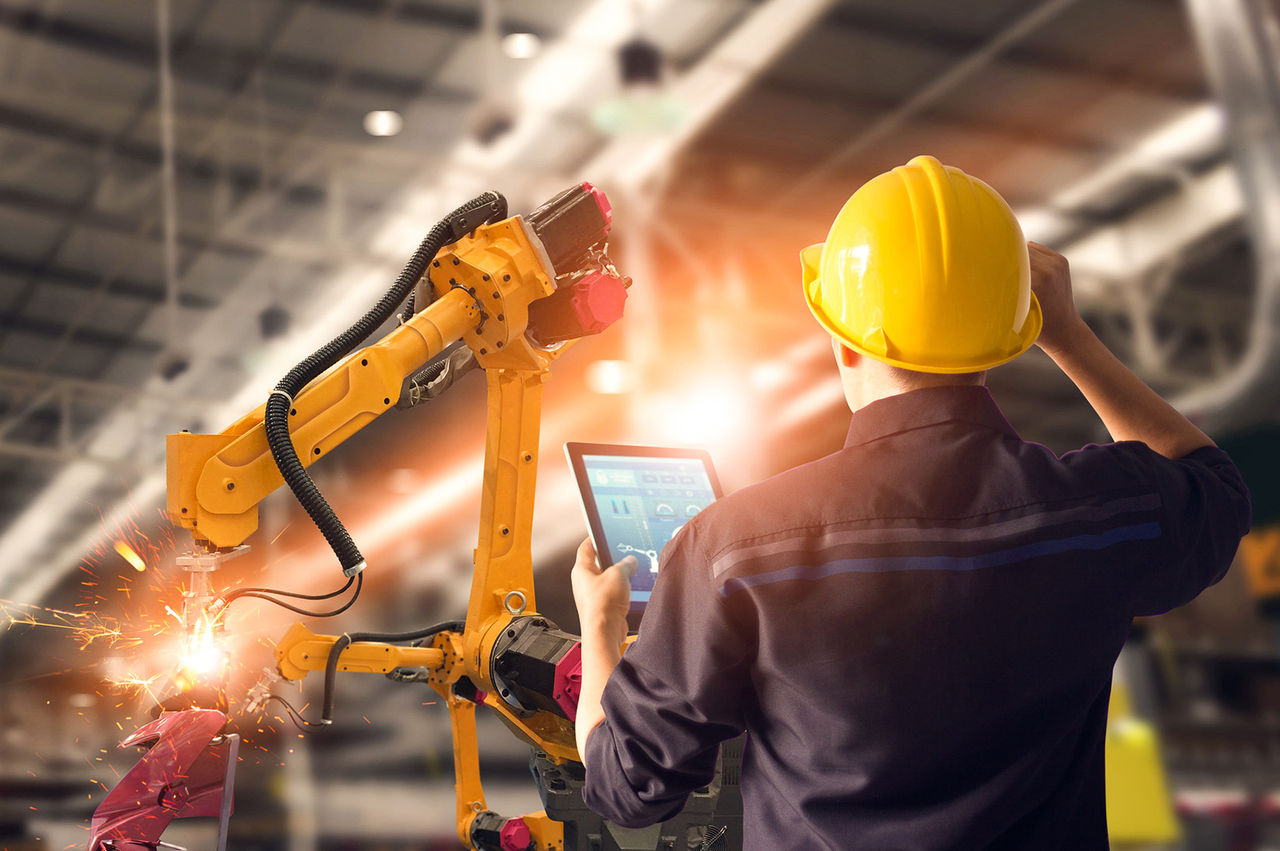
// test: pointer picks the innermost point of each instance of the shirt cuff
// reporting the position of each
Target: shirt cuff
(609, 793)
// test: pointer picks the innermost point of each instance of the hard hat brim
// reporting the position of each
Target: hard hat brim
(1026, 338)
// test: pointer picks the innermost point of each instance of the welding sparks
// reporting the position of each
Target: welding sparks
(130, 555)
(134, 683)
(86, 627)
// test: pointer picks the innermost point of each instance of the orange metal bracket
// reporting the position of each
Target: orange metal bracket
(301, 650)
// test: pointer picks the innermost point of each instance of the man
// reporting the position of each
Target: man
(917, 632)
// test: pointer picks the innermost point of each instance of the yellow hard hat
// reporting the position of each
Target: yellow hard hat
(925, 268)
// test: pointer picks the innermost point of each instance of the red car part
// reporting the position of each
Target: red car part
(189, 770)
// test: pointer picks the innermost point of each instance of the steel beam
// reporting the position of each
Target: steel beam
(905, 30)
(464, 19)
(926, 98)
(242, 245)
(837, 97)
(1238, 44)
(202, 61)
(82, 279)
(50, 329)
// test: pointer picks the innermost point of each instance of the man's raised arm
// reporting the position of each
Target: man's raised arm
(1127, 406)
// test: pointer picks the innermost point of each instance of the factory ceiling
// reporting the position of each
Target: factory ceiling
(171, 242)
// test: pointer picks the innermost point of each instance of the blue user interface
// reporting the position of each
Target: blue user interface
(642, 503)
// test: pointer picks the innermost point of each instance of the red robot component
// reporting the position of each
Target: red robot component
(515, 835)
(568, 684)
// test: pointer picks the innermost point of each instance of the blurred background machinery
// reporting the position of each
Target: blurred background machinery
(196, 193)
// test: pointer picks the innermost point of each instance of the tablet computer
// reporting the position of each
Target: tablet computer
(636, 498)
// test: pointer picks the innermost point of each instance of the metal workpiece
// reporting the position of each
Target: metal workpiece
(188, 770)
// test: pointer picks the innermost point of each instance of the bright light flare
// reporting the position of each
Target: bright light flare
(204, 660)
(130, 555)
(610, 377)
(203, 654)
(714, 413)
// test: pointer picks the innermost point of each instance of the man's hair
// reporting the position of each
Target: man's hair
(910, 379)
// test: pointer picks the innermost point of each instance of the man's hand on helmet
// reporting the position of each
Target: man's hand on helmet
(1051, 282)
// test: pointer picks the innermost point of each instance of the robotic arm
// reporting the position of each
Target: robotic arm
(515, 291)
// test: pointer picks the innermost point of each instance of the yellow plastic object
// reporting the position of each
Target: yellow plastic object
(1260, 554)
(925, 268)
(1139, 806)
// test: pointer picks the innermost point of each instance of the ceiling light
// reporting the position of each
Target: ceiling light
(521, 45)
(383, 122)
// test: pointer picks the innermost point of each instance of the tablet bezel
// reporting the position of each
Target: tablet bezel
(575, 451)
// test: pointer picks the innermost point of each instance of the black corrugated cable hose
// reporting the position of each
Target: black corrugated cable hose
(344, 641)
(279, 403)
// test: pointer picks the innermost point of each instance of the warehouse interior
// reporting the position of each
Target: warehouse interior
(196, 194)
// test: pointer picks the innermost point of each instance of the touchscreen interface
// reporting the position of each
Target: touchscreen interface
(642, 502)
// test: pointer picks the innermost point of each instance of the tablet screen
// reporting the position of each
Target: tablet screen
(637, 498)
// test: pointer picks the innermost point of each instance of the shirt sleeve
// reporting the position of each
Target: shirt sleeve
(676, 694)
(1204, 512)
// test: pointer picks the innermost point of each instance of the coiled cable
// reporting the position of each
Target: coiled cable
(491, 206)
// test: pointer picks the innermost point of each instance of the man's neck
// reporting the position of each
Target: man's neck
(862, 390)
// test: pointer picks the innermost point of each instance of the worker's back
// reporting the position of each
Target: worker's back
(918, 631)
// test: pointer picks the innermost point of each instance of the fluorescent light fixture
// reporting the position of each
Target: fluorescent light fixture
(521, 45)
(383, 122)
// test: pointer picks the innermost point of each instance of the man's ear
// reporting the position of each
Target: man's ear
(848, 357)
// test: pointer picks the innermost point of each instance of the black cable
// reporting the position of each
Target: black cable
(490, 206)
(344, 641)
(294, 715)
(359, 580)
(240, 592)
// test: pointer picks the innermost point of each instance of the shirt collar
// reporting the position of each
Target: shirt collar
(923, 408)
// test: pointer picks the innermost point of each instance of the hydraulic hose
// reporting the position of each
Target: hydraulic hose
(344, 641)
(491, 206)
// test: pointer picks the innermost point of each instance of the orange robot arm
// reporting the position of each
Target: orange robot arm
(516, 291)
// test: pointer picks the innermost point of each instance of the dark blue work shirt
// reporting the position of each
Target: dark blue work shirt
(916, 632)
